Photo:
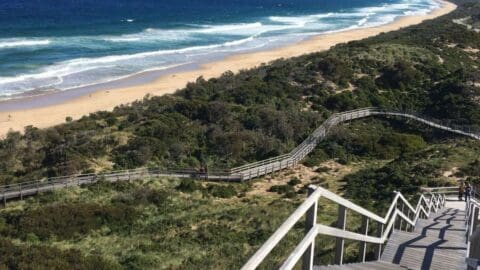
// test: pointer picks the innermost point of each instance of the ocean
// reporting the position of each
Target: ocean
(51, 45)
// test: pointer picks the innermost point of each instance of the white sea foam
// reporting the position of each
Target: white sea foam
(12, 43)
(233, 29)
(230, 38)
(81, 65)
(191, 33)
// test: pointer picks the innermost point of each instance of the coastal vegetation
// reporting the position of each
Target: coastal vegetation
(431, 68)
(259, 113)
(180, 224)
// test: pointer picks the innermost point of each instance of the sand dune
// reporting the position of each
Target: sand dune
(107, 100)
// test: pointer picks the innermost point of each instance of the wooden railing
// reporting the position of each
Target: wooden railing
(242, 173)
(263, 167)
(20, 190)
(399, 211)
(472, 210)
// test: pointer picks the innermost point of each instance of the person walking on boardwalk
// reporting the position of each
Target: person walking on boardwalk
(461, 190)
(468, 191)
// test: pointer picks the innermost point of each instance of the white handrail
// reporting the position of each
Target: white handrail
(393, 213)
(472, 210)
(283, 230)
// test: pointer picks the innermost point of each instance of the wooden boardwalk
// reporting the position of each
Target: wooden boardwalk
(439, 233)
(437, 243)
(242, 173)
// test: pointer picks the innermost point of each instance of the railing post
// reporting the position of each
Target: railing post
(469, 220)
(468, 213)
(363, 245)
(472, 223)
(475, 218)
(311, 221)
(411, 216)
(378, 248)
(401, 219)
(339, 241)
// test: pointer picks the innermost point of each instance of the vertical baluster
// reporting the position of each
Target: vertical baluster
(401, 219)
(363, 245)
(473, 226)
(473, 220)
(411, 216)
(467, 212)
(378, 248)
(468, 220)
(475, 214)
(339, 241)
(311, 221)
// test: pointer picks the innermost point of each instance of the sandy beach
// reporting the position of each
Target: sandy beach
(107, 99)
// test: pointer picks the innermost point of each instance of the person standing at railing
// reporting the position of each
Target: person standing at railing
(468, 191)
(461, 190)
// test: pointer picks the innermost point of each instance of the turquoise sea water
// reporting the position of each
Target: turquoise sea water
(50, 45)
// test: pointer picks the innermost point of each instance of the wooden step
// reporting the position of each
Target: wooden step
(455, 225)
(449, 212)
(415, 251)
(440, 229)
(380, 265)
(443, 216)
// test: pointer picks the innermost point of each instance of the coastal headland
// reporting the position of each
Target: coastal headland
(106, 99)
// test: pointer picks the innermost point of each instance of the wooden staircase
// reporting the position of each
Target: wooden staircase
(380, 265)
(439, 233)
(436, 243)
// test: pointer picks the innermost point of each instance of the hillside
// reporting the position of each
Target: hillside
(182, 224)
(431, 68)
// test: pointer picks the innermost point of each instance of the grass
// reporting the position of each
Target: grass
(167, 223)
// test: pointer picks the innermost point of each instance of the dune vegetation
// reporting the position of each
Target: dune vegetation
(431, 68)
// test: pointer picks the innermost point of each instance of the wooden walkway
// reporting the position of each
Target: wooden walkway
(437, 243)
(439, 233)
(377, 265)
(242, 173)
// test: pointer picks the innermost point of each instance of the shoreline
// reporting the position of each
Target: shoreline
(107, 98)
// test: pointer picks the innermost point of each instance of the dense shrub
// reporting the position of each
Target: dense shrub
(189, 185)
(14, 256)
(294, 181)
(66, 221)
(281, 189)
(222, 191)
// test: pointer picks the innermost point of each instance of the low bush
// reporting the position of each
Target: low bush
(222, 191)
(281, 189)
(294, 181)
(14, 256)
(66, 221)
(189, 186)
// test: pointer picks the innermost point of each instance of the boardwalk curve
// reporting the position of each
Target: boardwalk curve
(241, 173)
